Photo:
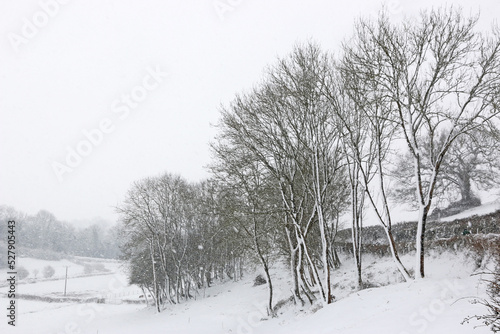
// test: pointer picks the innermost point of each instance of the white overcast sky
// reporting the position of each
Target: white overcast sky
(64, 77)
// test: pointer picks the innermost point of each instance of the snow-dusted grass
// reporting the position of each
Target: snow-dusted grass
(433, 305)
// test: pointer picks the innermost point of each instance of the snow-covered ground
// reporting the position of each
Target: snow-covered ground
(480, 210)
(76, 267)
(436, 304)
(403, 213)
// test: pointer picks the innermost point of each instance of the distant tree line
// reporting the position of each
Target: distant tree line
(173, 239)
(317, 137)
(53, 238)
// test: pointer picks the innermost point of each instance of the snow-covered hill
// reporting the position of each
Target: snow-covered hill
(437, 304)
(477, 211)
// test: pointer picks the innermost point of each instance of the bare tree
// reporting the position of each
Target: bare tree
(285, 125)
(364, 118)
(252, 202)
(353, 130)
(301, 82)
(472, 159)
(439, 77)
(254, 127)
(164, 218)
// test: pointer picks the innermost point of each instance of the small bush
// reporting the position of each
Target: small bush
(88, 269)
(22, 273)
(48, 271)
(259, 280)
(283, 302)
(99, 267)
(492, 303)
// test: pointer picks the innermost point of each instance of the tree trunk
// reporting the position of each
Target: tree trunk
(357, 216)
(270, 311)
(145, 294)
(395, 256)
(293, 267)
(241, 268)
(155, 282)
(310, 262)
(322, 228)
(177, 282)
(465, 192)
(335, 258)
(420, 239)
(305, 286)
(325, 255)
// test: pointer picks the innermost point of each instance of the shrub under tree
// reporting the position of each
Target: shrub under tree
(22, 273)
(492, 302)
(48, 271)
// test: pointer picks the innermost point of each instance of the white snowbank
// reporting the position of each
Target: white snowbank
(436, 304)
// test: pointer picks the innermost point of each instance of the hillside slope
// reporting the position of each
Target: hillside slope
(437, 304)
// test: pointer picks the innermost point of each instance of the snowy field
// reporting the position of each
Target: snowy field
(437, 304)
(480, 210)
